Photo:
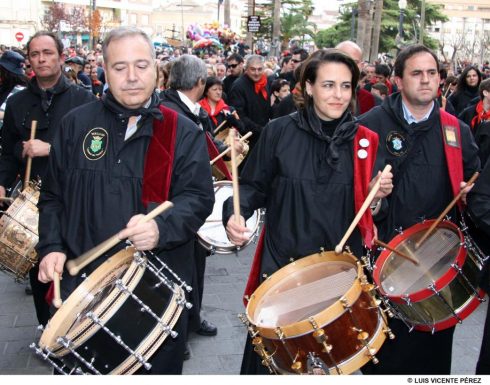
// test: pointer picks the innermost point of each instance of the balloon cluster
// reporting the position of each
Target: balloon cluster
(211, 35)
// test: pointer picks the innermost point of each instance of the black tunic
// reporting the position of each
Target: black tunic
(422, 189)
(304, 180)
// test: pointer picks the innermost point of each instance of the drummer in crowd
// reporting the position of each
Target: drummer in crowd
(414, 136)
(479, 208)
(47, 98)
(97, 182)
(302, 172)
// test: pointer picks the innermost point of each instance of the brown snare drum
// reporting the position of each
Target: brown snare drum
(443, 289)
(19, 233)
(317, 314)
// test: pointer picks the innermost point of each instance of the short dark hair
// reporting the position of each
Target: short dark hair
(407, 53)
(484, 86)
(382, 69)
(309, 69)
(302, 52)
(383, 90)
(235, 56)
(211, 81)
(285, 60)
(52, 35)
(278, 84)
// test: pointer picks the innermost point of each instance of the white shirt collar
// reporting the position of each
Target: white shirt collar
(193, 107)
(410, 118)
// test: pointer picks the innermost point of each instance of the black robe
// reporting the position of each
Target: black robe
(304, 180)
(422, 189)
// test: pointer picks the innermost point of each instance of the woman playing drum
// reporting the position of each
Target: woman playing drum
(302, 172)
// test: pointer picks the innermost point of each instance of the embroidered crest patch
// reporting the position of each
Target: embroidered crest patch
(95, 143)
(396, 143)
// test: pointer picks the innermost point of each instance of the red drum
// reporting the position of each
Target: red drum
(317, 315)
(443, 289)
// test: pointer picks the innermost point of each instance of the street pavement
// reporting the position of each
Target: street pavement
(224, 285)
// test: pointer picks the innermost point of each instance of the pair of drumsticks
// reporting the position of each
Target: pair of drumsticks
(369, 199)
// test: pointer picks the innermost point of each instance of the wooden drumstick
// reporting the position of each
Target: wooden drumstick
(29, 159)
(362, 210)
(403, 255)
(234, 175)
(57, 294)
(242, 139)
(446, 210)
(75, 265)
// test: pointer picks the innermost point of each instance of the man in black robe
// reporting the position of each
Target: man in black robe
(96, 181)
(412, 141)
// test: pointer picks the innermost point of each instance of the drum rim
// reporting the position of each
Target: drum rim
(440, 283)
(206, 242)
(322, 318)
(87, 328)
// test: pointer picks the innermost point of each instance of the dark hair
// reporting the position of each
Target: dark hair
(278, 84)
(309, 69)
(382, 69)
(383, 90)
(462, 85)
(285, 60)
(484, 86)
(302, 52)
(235, 56)
(10, 80)
(52, 35)
(211, 81)
(407, 53)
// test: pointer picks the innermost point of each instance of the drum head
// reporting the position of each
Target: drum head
(294, 294)
(96, 294)
(397, 276)
(212, 233)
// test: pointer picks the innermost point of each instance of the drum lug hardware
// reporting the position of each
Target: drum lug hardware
(66, 343)
(297, 367)
(399, 230)
(253, 332)
(45, 355)
(259, 348)
(320, 336)
(316, 366)
(119, 341)
(389, 333)
(345, 303)
(279, 333)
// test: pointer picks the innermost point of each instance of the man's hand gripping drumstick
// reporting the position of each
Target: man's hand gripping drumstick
(141, 230)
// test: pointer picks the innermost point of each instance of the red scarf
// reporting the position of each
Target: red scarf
(260, 86)
(220, 106)
(481, 116)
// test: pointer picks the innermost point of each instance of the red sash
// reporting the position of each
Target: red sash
(158, 166)
(213, 153)
(363, 169)
(451, 133)
(365, 101)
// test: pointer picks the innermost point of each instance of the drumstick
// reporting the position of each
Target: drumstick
(364, 207)
(57, 296)
(29, 159)
(75, 265)
(242, 139)
(234, 175)
(403, 255)
(446, 210)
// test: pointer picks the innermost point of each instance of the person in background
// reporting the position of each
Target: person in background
(380, 90)
(280, 89)
(467, 89)
(12, 78)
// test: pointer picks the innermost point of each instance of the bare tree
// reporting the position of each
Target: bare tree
(378, 12)
(53, 16)
(276, 28)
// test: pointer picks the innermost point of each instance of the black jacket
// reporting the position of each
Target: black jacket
(252, 108)
(304, 180)
(463, 99)
(24, 107)
(171, 99)
(421, 181)
(86, 199)
(481, 132)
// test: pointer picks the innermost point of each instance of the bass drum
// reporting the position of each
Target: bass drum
(212, 234)
(317, 315)
(115, 320)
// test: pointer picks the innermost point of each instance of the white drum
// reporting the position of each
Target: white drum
(212, 234)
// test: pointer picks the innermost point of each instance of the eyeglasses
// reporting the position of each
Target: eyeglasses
(233, 65)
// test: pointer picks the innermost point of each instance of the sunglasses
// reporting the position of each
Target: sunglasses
(232, 65)
(296, 61)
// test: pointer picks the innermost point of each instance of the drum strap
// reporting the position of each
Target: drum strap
(213, 153)
(365, 148)
(451, 133)
(159, 158)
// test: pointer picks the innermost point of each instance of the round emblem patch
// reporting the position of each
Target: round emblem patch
(396, 143)
(95, 143)
(362, 154)
(364, 142)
